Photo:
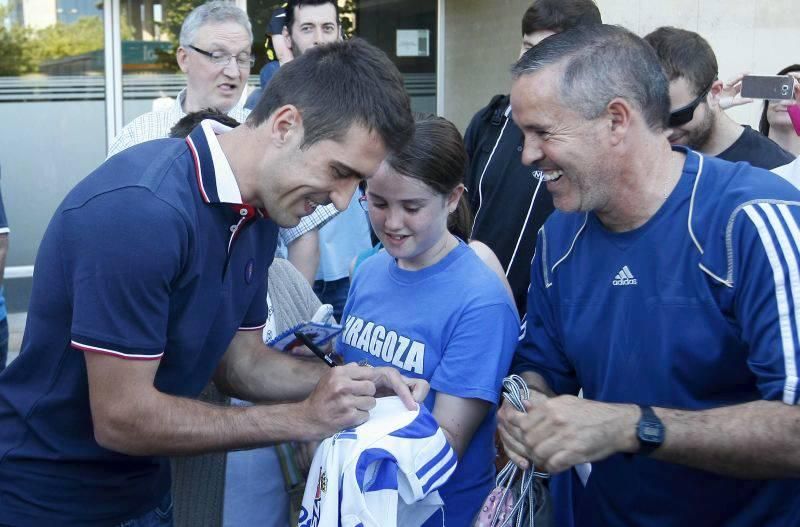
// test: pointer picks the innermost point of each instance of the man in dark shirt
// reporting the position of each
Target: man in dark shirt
(696, 118)
(151, 280)
(508, 202)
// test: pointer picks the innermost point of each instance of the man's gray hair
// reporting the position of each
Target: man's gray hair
(215, 12)
(603, 62)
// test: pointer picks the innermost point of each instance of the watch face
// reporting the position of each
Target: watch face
(651, 432)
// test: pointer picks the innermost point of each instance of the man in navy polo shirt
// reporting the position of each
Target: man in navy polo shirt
(666, 287)
(151, 279)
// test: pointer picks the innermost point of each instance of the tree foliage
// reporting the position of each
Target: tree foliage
(15, 56)
(67, 40)
(23, 49)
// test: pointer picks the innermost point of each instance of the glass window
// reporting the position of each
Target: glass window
(52, 106)
(151, 78)
(404, 29)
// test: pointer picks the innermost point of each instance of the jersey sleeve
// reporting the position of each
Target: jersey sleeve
(122, 253)
(539, 349)
(478, 354)
(767, 294)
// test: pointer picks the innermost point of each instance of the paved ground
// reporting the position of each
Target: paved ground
(16, 327)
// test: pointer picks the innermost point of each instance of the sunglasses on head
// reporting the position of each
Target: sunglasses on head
(685, 114)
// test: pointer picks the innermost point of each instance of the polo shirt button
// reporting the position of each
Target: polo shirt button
(243, 212)
(519, 149)
(233, 228)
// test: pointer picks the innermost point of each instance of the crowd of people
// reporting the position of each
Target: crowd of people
(606, 231)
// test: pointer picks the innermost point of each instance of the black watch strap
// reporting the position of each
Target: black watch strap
(650, 431)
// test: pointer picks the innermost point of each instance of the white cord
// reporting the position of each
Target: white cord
(524, 225)
(515, 391)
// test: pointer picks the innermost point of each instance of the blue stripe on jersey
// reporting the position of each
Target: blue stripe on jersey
(384, 477)
(424, 425)
(439, 475)
(433, 462)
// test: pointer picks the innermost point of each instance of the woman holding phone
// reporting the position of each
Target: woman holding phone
(430, 307)
(776, 123)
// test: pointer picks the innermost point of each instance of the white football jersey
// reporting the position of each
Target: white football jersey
(383, 473)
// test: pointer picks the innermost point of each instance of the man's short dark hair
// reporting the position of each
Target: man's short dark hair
(292, 4)
(189, 121)
(336, 86)
(559, 15)
(685, 54)
(602, 62)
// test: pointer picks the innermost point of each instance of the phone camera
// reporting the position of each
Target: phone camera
(785, 89)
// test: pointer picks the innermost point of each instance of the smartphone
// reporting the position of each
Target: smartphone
(772, 87)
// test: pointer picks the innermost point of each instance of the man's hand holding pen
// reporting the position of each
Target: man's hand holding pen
(345, 395)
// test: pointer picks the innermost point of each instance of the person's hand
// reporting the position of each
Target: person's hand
(515, 450)
(564, 431)
(731, 94)
(342, 399)
(388, 381)
(304, 454)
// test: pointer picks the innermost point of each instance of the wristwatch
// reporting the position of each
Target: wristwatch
(650, 431)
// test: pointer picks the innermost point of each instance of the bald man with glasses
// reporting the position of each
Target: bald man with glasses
(215, 54)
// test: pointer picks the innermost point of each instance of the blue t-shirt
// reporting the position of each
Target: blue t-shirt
(682, 312)
(341, 239)
(139, 262)
(452, 324)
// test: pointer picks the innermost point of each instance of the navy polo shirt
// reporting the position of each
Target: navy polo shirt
(152, 256)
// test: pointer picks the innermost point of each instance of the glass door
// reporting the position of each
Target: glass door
(52, 106)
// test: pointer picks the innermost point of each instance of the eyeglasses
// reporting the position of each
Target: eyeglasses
(243, 60)
(685, 114)
(364, 203)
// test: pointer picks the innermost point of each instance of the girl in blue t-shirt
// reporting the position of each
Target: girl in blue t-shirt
(430, 307)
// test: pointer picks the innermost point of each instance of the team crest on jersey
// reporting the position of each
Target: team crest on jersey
(311, 518)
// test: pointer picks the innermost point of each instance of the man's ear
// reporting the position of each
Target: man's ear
(286, 126)
(619, 113)
(287, 38)
(715, 93)
(183, 58)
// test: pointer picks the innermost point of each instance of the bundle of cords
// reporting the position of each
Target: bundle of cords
(515, 390)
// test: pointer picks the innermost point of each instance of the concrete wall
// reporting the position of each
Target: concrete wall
(482, 40)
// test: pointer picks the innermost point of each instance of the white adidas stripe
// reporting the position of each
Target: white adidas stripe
(791, 382)
(790, 385)
(781, 293)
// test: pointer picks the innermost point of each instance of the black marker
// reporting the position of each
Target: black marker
(313, 347)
